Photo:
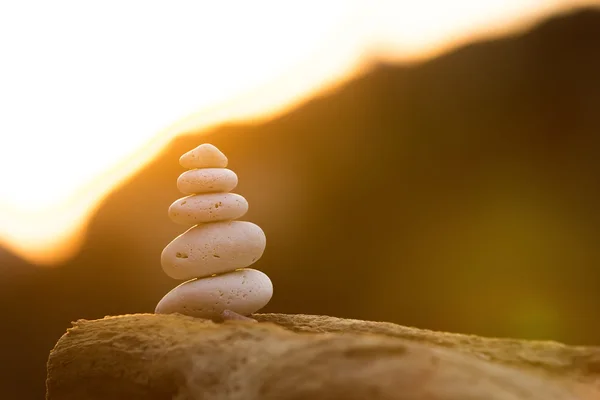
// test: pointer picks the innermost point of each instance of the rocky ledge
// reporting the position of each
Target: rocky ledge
(150, 356)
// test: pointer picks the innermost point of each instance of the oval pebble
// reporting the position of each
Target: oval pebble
(204, 156)
(213, 248)
(209, 207)
(244, 291)
(207, 180)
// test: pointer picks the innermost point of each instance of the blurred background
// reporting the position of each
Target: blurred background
(433, 164)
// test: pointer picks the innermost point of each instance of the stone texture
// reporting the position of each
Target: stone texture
(207, 207)
(207, 180)
(213, 248)
(148, 356)
(204, 156)
(243, 291)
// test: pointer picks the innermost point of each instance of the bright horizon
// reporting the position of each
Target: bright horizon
(89, 93)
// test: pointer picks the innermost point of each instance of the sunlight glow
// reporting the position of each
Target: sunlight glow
(91, 91)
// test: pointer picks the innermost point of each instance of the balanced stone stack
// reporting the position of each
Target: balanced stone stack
(213, 255)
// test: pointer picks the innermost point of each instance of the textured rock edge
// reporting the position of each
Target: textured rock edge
(173, 356)
(549, 356)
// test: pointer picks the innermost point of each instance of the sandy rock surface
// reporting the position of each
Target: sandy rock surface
(149, 356)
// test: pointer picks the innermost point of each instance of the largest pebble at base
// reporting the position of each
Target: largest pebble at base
(243, 291)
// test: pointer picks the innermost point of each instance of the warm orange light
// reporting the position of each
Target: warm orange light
(85, 86)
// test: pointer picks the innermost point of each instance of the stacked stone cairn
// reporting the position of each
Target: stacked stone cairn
(213, 255)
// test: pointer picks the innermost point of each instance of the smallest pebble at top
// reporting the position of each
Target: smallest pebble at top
(204, 156)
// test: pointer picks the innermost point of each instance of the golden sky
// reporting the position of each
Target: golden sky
(90, 91)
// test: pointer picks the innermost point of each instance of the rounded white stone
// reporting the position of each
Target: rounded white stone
(207, 180)
(209, 207)
(213, 248)
(204, 156)
(244, 291)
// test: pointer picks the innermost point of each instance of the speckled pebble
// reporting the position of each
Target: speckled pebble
(213, 248)
(243, 291)
(204, 156)
(207, 180)
(209, 207)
